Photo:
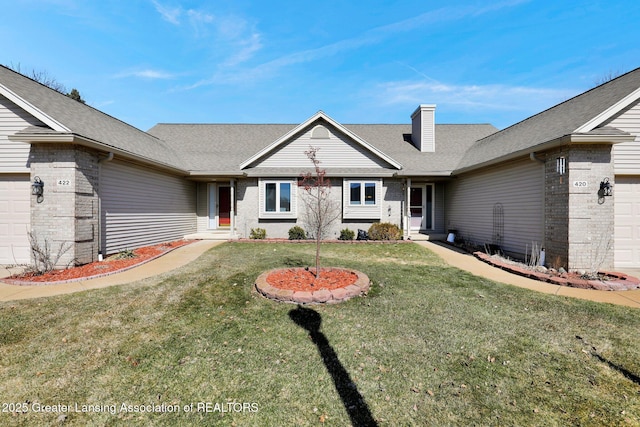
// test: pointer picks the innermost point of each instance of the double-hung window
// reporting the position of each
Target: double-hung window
(277, 199)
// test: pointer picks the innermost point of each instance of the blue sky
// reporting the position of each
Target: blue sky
(241, 61)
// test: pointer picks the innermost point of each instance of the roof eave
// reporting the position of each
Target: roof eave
(70, 138)
(571, 139)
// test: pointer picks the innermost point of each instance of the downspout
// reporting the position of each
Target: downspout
(232, 214)
(106, 159)
(407, 209)
(533, 157)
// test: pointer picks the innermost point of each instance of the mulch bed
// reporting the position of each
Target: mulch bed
(297, 279)
(293, 285)
(110, 265)
(611, 280)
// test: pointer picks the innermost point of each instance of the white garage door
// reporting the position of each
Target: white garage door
(627, 231)
(14, 218)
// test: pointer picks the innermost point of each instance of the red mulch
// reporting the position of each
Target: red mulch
(299, 279)
(99, 268)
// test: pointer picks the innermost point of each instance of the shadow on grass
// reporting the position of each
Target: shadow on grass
(627, 374)
(352, 400)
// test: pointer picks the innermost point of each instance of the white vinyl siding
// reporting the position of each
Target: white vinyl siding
(626, 156)
(361, 208)
(14, 156)
(336, 151)
(517, 186)
(278, 199)
(15, 193)
(142, 206)
(627, 222)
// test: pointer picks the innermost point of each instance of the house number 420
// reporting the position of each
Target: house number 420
(581, 184)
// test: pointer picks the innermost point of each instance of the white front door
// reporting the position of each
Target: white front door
(421, 207)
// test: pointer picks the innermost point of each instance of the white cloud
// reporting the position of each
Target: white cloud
(370, 37)
(169, 14)
(496, 97)
(146, 74)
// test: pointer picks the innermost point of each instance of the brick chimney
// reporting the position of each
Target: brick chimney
(423, 132)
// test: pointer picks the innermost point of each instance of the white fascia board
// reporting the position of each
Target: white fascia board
(609, 112)
(306, 123)
(39, 114)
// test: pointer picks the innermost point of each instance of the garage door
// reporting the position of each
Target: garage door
(627, 231)
(14, 219)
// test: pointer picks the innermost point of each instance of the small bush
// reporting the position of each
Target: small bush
(297, 233)
(347, 234)
(126, 254)
(258, 233)
(384, 231)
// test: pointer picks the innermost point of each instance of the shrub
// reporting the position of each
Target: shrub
(347, 234)
(384, 231)
(126, 254)
(258, 233)
(297, 233)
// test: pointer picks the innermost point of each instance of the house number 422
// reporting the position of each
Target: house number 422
(64, 182)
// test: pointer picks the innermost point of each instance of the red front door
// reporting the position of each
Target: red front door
(224, 206)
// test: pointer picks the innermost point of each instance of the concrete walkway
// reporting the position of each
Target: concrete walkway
(465, 261)
(186, 254)
(172, 260)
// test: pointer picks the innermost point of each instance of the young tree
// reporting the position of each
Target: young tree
(75, 95)
(321, 210)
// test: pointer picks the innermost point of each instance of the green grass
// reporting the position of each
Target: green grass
(429, 345)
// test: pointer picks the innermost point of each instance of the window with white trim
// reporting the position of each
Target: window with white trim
(362, 193)
(362, 199)
(277, 199)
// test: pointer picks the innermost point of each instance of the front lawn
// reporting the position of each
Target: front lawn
(429, 345)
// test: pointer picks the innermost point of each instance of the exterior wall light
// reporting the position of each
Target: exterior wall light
(37, 189)
(561, 165)
(606, 190)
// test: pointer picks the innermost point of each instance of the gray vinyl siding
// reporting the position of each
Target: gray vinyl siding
(336, 151)
(626, 156)
(14, 156)
(439, 200)
(142, 206)
(518, 186)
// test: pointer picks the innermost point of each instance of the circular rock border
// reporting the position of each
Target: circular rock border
(321, 296)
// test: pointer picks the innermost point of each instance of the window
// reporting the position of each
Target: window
(277, 199)
(362, 199)
(362, 193)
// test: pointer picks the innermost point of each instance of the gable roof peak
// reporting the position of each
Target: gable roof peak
(319, 116)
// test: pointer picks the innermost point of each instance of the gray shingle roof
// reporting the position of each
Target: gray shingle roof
(556, 122)
(88, 122)
(217, 148)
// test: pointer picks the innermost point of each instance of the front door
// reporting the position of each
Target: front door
(421, 207)
(224, 206)
(219, 206)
